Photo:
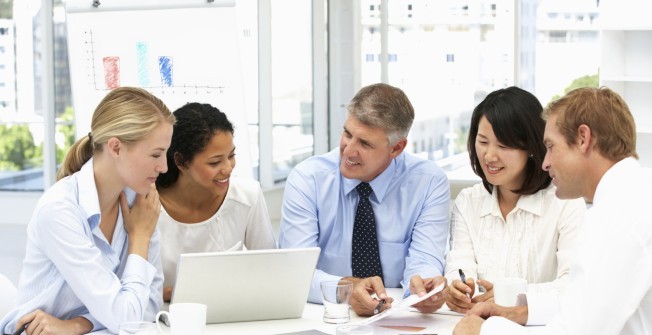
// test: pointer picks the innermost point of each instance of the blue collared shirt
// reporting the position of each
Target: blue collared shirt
(71, 270)
(410, 200)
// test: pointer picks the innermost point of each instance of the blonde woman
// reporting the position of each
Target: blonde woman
(92, 259)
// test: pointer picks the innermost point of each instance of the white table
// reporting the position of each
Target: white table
(442, 324)
(439, 323)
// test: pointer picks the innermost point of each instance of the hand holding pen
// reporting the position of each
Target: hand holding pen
(460, 293)
(472, 286)
(380, 305)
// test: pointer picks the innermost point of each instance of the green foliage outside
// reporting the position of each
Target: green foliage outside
(6, 8)
(67, 129)
(17, 148)
(585, 81)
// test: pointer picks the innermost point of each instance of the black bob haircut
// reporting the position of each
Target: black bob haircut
(515, 116)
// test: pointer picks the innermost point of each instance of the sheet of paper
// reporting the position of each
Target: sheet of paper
(406, 322)
(403, 305)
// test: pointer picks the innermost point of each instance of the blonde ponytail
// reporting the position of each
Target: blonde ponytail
(79, 153)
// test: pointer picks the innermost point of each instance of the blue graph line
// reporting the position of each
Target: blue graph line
(141, 61)
(165, 69)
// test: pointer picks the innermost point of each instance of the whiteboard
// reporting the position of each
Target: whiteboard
(183, 54)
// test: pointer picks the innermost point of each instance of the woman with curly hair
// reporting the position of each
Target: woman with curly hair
(205, 208)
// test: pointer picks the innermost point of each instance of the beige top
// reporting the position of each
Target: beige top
(535, 242)
(242, 218)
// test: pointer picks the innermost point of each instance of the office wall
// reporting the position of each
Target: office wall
(16, 207)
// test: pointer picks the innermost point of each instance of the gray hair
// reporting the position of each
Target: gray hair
(383, 106)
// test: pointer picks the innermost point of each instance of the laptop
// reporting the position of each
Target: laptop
(247, 285)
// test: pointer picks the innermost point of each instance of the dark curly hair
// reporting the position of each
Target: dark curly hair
(515, 116)
(196, 124)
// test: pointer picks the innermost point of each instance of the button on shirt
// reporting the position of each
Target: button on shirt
(71, 270)
(610, 284)
(535, 242)
(410, 202)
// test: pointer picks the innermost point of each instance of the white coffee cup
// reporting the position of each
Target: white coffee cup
(185, 318)
(506, 290)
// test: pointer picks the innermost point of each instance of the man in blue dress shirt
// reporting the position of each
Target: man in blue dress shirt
(410, 202)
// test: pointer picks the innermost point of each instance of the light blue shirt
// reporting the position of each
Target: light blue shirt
(410, 200)
(71, 270)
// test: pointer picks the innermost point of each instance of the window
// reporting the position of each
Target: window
(23, 112)
(448, 55)
(292, 103)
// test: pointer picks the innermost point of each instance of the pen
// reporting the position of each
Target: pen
(463, 277)
(380, 305)
(21, 329)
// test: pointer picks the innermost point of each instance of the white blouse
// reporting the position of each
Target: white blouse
(535, 242)
(242, 218)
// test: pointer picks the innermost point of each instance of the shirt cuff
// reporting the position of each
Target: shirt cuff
(138, 270)
(91, 319)
(406, 293)
(542, 307)
(315, 296)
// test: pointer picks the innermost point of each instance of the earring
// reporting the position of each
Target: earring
(531, 155)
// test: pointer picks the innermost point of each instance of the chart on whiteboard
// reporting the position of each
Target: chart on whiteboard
(180, 55)
(149, 63)
(166, 51)
(148, 70)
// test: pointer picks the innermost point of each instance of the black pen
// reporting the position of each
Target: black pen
(20, 330)
(380, 305)
(463, 277)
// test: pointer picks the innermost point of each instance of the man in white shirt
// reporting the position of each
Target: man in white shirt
(590, 138)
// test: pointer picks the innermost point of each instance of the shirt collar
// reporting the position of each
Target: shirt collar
(612, 175)
(87, 190)
(532, 203)
(380, 184)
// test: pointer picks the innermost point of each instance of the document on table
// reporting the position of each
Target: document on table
(403, 305)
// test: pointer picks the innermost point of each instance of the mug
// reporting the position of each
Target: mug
(506, 290)
(185, 318)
